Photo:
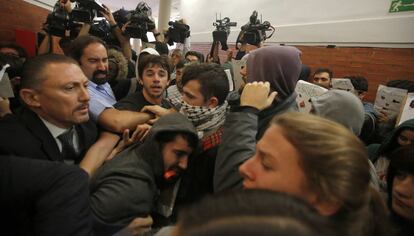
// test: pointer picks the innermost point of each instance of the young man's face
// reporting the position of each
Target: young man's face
(176, 56)
(154, 81)
(192, 94)
(62, 98)
(406, 137)
(94, 63)
(322, 79)
(179, 74)
(275, 168)
(10, 52)
(191, 58)
(403, 195)
(175, 155)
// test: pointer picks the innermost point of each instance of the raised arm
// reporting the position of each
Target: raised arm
(239, 138)
(117, 121)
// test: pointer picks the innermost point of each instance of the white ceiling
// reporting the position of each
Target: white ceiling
(154, 4)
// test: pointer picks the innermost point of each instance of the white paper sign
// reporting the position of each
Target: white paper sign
(408, 110)
(6, 90)
(389, 100)
(237, 65)
(230, 79)
(305, 91)
(343, 84)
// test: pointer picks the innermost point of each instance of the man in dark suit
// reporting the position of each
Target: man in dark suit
(43, 198)
(54, 122)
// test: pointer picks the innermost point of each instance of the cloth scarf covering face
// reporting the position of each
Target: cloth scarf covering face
(203, 118)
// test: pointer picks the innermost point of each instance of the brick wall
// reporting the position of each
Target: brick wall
(378, 65)
(17, 14)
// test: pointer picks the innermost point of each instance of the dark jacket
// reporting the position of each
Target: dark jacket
(129, 185)
(43, 198)
(24, 134)
(390, 143)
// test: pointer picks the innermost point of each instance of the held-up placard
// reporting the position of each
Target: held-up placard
(389, 100)
(6, 90)
(343, 84)
(305, 91)
(407, 112)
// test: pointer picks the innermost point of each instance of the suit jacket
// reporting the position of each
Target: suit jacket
(24, 134)
(43, 198)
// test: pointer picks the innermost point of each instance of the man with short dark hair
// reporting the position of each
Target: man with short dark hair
(130, 185)
(194, 56)
(92, 55)
(360, 84)
(205, 88)
(54, 123)
(154, 76)
(323, 77)
(13, 50)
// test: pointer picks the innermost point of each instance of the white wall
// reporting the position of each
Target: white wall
(302, 22)
(47, 4)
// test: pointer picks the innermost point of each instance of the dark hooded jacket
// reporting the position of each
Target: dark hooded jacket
(128, 186)
(390, 143)
(281, 67)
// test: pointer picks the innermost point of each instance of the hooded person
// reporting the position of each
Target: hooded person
(342, 107)
(379, 154)
(337, 105)
(281, 67)
(130, 184)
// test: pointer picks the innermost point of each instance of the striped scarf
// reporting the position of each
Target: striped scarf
(203, 118)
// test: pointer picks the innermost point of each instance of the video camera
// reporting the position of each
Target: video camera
(101, 29)
(141, 22)
(254, 32)
(222, 31)
(57, 21)
(177, 32)
(86, 10)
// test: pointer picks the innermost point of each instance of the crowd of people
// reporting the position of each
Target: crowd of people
(101, 142)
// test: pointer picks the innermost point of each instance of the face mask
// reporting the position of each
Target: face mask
(204, 118)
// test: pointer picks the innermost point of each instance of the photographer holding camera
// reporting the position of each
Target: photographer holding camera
(252, 35)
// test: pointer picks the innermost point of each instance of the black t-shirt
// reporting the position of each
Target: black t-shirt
(136, 101)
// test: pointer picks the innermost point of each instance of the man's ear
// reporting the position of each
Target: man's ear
(212, 102)
(140, 82)
(30, 97)
(325, 207)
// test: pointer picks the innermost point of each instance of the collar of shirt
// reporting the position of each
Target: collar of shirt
(56, 131)
(99, 86)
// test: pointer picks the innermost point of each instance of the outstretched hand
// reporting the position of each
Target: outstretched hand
(256, 95)
(137, 136)
(158, 111)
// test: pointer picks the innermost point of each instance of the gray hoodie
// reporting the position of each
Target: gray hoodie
(128, 186)
(342, 107)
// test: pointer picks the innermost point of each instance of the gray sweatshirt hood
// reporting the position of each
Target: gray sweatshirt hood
(342, 107)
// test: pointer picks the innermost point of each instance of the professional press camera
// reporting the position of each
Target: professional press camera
(140, 22)
(86, 10)
(222, 31)
(254, 32)
(57, 21)
(101, 29)
(177, 32)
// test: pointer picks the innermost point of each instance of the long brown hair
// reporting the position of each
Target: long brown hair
(336, 165)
